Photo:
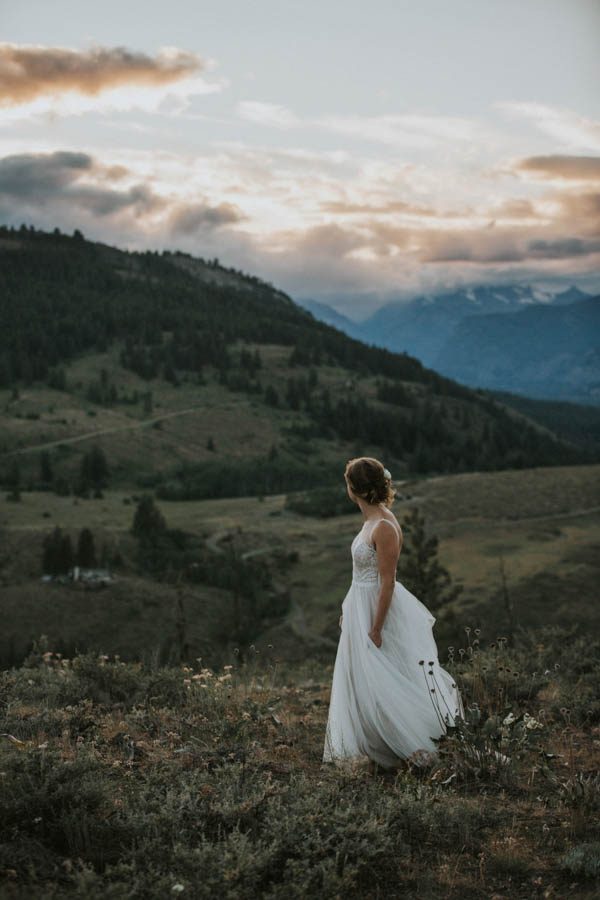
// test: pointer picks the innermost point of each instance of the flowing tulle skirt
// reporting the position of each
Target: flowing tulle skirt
(390, 702)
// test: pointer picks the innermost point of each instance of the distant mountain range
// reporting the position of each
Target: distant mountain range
(506, 337)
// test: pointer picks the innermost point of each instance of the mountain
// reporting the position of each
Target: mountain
(325, 313)
(201, 381)
(570, 295)
(429, 328)
(423, 325)
(550, 352)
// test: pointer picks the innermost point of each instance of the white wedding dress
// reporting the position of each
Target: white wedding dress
(387, 703)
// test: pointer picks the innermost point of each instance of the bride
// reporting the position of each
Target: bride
(390, 698)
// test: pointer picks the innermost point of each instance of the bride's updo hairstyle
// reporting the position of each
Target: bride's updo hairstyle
(367, 480)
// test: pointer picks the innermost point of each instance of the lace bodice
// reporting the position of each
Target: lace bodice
(365, 569)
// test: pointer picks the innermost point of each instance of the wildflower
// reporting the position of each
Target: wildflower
(531, 723)
(421, 662)
(227, 667)
(478, 631)
(510, 718)
(468, 629)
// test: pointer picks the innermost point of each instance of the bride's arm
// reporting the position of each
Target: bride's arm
(388, 553)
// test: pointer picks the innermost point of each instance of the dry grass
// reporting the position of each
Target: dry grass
(213, 780)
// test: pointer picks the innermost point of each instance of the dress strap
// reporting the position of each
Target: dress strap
(373, 527)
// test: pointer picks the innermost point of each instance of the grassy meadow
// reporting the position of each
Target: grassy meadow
(123, 780)
(523, 544)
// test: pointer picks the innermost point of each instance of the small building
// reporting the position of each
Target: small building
(92, 577)
(89, 578)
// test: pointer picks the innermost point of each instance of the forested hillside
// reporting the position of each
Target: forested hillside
(172, 321)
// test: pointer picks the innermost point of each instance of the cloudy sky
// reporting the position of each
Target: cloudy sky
(345, 150)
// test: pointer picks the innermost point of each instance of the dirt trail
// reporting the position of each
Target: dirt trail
(144, 423)
(295, 619)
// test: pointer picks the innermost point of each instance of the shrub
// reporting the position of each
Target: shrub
(584, 860)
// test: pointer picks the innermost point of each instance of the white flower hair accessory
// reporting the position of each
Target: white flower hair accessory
(386, 473)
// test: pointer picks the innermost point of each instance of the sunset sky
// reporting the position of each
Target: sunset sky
(345, 151)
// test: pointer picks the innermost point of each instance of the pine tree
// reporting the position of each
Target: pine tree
(86, 551)
(67, 557)
(271, 396)
(419, 568)
(158, 548)
(46, 473)
(51, 559)
(94, 470)
(14, 482)
(292, 394)
(148, 521)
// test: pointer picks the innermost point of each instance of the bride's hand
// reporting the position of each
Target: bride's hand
(376, 637)
(341, 617)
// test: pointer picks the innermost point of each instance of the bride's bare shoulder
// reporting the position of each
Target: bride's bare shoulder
(391, 518)
(389, 515)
